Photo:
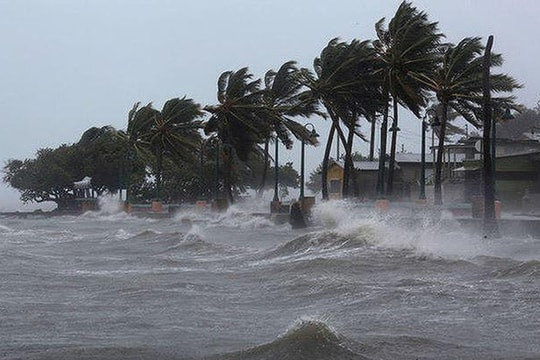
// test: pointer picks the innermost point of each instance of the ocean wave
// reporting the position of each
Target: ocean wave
(419, 232)
(5, 229)
(40, 236)
(323, 241)
(529, 268)
(245, 216)
(107, 216)
(311, 340)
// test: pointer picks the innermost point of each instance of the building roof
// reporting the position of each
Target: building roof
(409, 158)
(522, 153)
(368, 165)
(365, 165)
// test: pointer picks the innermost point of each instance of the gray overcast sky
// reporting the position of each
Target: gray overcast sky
(67, 65)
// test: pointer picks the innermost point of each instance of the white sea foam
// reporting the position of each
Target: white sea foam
(238, 216)
(110, 209)
(122, 234)
(195, 233)
(109, 204)
(422, 233)
(5, 229)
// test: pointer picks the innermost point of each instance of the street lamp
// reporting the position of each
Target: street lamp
(313, 135)
(391, 164)
(276, 173)
(202, 182)
(216, 187)
(435, 122)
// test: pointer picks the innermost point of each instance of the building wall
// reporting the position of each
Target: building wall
(335, 182)
(515, 177)
(367, 184)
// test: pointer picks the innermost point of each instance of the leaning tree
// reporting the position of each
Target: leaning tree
(407, 48)
(457, 83)
(172, 132)
(237, 120)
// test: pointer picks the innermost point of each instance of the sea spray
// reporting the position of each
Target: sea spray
(422, 233)
(109, 204)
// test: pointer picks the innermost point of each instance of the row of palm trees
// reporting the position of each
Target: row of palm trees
(407, 66)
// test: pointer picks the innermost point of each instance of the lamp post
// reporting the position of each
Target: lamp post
(202, 186)
(216, 188)
(276, 173)
(435, 122)
(422, 194)
(391, 164)
(313, 134)
(130, 156)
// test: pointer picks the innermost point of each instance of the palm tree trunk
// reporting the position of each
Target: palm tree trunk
(158, 172)
(262, 185)
(382, 154)
(372, 138)
(348, 167)
(440, 153)
(228, 174)
(490, 221)
(390, 186)
(335, 121)
(326, 159)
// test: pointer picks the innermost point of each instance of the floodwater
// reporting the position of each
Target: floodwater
(357, 285)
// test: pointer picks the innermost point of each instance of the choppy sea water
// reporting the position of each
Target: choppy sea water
(357, 285)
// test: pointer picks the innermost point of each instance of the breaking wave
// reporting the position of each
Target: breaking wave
(236, 216)
(527, 268)
(324, 241)
(422, 233)
(309, 340)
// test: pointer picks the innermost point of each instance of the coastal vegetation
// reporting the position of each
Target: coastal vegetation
(187, 151)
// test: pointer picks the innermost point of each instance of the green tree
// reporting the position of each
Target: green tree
(48, 177)
(99, 154)
(105, 158)
(284, 100)
(407, 48)
(457, 84)
(345, 84)
(314, 183)
(238, 120)
(171, 132)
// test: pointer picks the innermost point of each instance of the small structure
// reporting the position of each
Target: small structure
(517, 178)
(84, 194)
(406, 177)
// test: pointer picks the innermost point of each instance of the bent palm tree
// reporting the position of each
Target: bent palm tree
(458, 86)
(284, 100)
(344, 84)
(407, 49)
(237, 119)
(173, 131)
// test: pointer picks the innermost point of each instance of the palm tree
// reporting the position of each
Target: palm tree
(457, 84)
(173, 131)
(407, 49)
(344, 83)
(284, 100)
(238, 119)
